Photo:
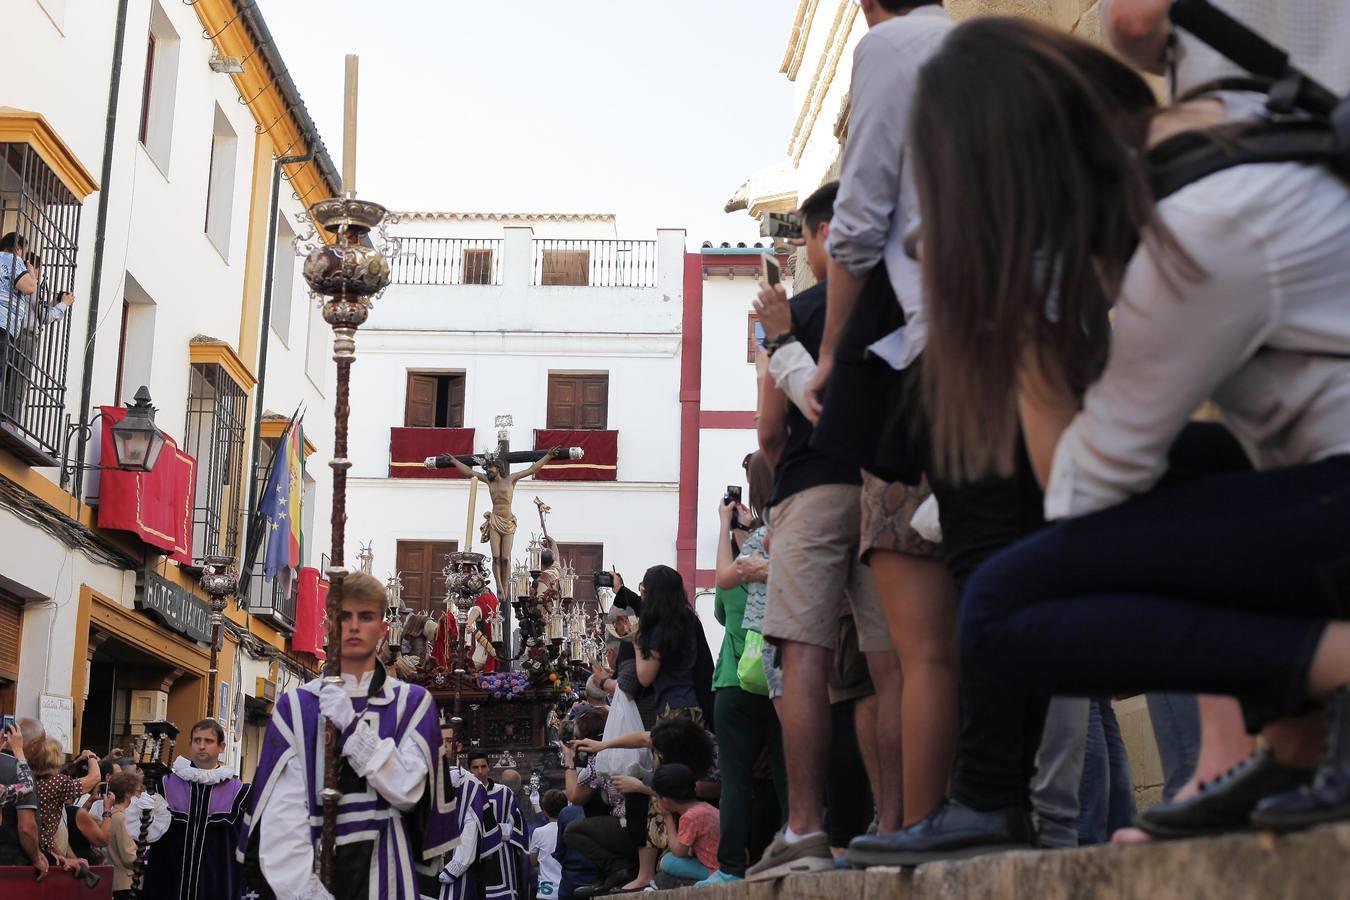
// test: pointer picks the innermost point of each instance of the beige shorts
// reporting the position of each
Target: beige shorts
(887, 508)
(815, 576)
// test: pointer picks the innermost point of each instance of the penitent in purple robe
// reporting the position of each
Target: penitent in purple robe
(195, 859)
(378, 847)
(515, 851)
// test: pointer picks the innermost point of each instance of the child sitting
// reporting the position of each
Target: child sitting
(691, 824)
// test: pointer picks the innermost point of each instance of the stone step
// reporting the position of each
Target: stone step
(1313, 865)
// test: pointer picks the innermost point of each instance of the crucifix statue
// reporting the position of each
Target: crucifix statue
(499, 525)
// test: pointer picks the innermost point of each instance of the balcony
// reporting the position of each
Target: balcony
(37, 205)
(268, 601)
(431, 260)
(594, 263)
(409, 448)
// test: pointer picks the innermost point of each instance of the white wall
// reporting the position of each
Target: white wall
(728, 380)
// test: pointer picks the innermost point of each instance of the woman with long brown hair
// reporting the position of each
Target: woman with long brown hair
(1037, 207)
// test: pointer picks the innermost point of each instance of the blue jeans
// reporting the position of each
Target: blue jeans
(1056, 789)
(1220, 584)
(1106, 801)
(686, 867)
(1176, 727)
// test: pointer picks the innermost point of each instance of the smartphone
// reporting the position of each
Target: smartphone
(760, 337)
(773, 272)
(733, 494)
(5, 722)
(604, 579)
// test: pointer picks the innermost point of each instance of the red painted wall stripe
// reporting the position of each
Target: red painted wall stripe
(691, 379)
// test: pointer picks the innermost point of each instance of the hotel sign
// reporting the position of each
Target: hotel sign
(176, 607)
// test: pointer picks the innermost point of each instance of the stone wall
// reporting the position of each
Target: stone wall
(1082, 17)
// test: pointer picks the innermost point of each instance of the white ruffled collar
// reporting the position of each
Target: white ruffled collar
(184, 769)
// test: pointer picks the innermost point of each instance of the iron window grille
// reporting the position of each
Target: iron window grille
(215, 437)
(34, 345)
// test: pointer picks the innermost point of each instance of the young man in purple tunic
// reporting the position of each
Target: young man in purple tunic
(195, 858)
(511, 823)
(388, 742)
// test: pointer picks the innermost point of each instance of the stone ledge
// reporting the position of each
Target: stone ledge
(1314, 865)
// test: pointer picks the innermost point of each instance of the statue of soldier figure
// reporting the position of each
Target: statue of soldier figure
(499, 524)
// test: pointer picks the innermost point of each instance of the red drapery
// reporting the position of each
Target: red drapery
(155, 506)
(16, 883)
(408, 447)
(601, 462)
(309, 613)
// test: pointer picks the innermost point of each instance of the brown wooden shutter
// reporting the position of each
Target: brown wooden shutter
(752, 345)
(11, 633)
(570, 267)
(586, 559)
(420, 408)
(454, 401)
(594, 401)
(562, 401)
(478, 266)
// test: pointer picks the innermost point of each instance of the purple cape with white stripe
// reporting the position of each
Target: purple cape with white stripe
(403, 712)
(515, 852)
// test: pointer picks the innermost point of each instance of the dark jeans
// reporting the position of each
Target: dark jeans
(1003, 713)
(848, 795)
(1176, 726)
(605, 842)
(746, 725)
(1222, 584)
(1106, 799)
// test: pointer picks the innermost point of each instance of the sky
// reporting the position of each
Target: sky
(654, 111)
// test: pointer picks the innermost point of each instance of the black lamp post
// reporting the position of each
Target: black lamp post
(136, 441)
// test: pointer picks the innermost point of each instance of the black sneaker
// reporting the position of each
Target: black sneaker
(952, 831)
(1327, 797)
(1226, 803)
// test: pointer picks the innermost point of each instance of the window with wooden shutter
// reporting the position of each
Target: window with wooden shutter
(421, 566)
(11, 632)
(578, 401)
(434, 400)
(571, 267)
(586, 560)
(752, 338)
(478, 266)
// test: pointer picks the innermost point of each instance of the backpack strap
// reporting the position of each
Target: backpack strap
(1192, 155)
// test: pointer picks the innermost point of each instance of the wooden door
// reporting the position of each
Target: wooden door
(586, 559)
(421, 565)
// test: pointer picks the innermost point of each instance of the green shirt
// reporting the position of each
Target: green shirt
(729, 607)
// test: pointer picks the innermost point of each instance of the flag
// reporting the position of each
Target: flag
(280, 508)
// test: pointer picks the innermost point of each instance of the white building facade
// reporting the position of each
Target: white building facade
(169, 232)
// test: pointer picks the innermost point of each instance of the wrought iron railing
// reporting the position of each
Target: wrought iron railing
(268, 599)
(35, 328)
(431, 260)
(215, 438)
(559, 261)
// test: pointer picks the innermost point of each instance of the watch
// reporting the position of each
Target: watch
(777, 341)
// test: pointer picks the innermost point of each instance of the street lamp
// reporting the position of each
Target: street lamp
(136, 441)
(219, 580)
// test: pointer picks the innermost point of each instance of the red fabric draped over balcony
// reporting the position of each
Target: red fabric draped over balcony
(601, 462)
(409, 447)
(155, 506)
(309, 610)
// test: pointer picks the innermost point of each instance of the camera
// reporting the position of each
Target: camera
(781, 226)
(604, 579)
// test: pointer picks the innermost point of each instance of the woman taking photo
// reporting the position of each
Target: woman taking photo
(1232, 289)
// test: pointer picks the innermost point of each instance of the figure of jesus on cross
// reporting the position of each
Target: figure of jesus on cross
(499, 526)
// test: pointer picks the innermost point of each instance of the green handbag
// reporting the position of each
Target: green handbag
(750, 668)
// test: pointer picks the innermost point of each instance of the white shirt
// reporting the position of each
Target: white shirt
(544, 841)
(397, 772)
(1265, 334)
(877, 202)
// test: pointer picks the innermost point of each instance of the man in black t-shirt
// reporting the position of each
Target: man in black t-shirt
(815, 575)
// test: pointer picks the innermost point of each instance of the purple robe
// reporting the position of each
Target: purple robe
(459, 807)
(367, 823)
(515, 849)
(195, 859)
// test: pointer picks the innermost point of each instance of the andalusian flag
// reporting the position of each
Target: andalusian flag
(280, 507)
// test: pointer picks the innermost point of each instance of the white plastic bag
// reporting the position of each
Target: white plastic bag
(624, 718)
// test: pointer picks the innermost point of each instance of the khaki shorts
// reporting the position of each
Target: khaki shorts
(887, 508)
(815, 576)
